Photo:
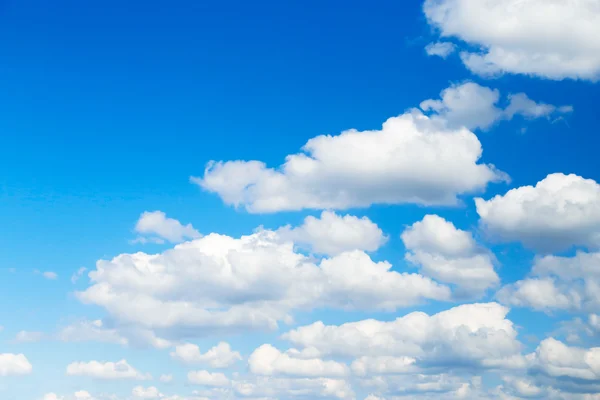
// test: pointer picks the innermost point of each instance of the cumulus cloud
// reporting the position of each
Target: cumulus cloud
(471, 334)
(449, 255)
(166, 378)
(557, 213)
(563, 283)
(139, 392)
(267, 360)
(14, 364)
(156, 227)
(550, 39)
(219, 356)
(410, 160)
(106, 370)
(219, 282)
(478, 107)
(206, 378)
(440, 49)
(555, 359)
(334, 234)
(278, 387)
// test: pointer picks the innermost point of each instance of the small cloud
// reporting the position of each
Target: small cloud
(50, 275)
(440, 49)
(166, 378)
(47, 274)
(78, 275)
(155, 227)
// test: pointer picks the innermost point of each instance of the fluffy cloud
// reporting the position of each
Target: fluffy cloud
(267, 360)
(156, 227)
(14, 364)
(280, 388)
(556, 359)
(151, 392)
(470, 334)
(105, 370)
(558, 212)
(449, 255)
(553, 39)
(166, 378)
(566, 283)
(477, 107)
(333, 234)
(219, 282)
(440, 49)
(219, 356)
(410, 160)
(206, 378)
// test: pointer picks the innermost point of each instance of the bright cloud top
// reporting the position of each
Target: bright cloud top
(156, 227)
(558, 283)
(475, 334)
(558, 212)
(255, 281)
(106, 370)
(333, 234)
(450, 255)
(477, 107)
(410, 160)
(219, 356)
(552, 39)
(14, 364)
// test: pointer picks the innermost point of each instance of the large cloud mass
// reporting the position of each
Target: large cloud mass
(552, 39)
(220, 282)
(410, 160)
(558, 212)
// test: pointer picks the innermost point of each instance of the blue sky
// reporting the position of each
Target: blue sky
(113, 109)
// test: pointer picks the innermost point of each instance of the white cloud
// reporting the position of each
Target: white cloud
(558, 212)
(280, 388)
(552, 39)
(470, 334)
(206, 378)
(524, 387)
(146, 393)
(166, 378)
(28, 337)
(410, 160)
(50, 275)
(79, 395)
(219, 282)
(77, 275)
(440, 49)
(556, 359)
(158, 226)
(14, 364)
(566, 283)
(219, 356)
(477, 107)
(267, 360)
(450, 255)
(105, 370)
(333, 234)
(540, 294)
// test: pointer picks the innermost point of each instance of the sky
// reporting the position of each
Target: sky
(299, 200)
